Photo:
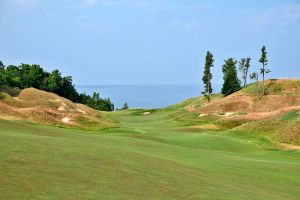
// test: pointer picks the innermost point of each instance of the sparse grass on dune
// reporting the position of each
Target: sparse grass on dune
(51, 109)
(275, 87)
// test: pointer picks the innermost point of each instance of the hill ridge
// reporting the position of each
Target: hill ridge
(49, 108)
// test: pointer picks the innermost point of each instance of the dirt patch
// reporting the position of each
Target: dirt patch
(81, 111)
(62, 107)
(190, 108)
(290, 147)
(66, 120)
(228, 114)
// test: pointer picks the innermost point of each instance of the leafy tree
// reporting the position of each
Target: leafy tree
(2, 66)
(31, 75)
(125, 106)
(96, 102)
(67, 89)
(12, 76)
(231, 81)
(24, 74)
(54, 82)
(207, 76)
(264, 61)
(244, 66)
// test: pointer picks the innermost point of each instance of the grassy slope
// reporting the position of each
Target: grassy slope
(281, 94)
(148, 157)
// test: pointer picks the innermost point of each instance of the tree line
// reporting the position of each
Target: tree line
(26, 75)
(231, 82)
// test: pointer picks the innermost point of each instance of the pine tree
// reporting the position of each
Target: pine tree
(244, 66)
(207, 76)
(264, 61)
(231, 81)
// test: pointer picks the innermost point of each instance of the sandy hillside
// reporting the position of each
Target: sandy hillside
(48, 108)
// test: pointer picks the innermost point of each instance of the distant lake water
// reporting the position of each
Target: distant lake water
(144, 96)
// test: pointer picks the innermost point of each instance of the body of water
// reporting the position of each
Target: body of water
(144, 96)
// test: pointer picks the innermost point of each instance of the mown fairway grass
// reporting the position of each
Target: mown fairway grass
(148, 157)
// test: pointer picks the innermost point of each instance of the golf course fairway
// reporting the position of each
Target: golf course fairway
(146, 157)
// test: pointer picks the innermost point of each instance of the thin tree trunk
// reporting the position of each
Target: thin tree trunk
(263, 78)
(245, 81)
(208, 91)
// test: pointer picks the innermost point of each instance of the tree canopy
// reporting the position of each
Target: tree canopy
(231, 81)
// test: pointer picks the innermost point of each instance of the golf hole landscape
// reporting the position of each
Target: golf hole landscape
(61, 138)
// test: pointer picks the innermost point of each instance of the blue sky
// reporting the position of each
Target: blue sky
(148, 41)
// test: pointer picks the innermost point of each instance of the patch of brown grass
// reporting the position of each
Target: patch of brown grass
(48, 108)
(232, 103)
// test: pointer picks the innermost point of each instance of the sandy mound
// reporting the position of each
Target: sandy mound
(48, 108)
(32, 94)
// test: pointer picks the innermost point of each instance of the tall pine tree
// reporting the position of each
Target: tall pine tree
(207, 76)
(264, 61)
(231, 81)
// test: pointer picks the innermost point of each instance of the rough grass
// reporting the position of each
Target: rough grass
(283, 128)
(274, 87)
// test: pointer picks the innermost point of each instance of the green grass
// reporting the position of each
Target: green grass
(290, 116)
(146, 157)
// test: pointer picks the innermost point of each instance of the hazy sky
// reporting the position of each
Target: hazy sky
(148, 41)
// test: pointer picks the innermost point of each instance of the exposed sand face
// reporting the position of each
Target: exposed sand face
(62, 107)
(66, 120)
